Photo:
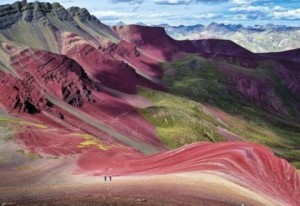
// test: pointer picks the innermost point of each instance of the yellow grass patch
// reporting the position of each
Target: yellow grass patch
(22, 122)
(24, 167)
(91, 141)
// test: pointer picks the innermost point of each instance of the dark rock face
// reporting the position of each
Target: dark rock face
(11, 14)
(82, 14)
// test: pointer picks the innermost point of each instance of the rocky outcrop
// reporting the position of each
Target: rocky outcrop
(11, 14)
(42, 73)
(82, 14)
(45, 23)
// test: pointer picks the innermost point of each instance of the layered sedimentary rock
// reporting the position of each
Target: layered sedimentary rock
(40, 73)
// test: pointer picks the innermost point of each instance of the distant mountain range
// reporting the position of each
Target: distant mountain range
(257, 38)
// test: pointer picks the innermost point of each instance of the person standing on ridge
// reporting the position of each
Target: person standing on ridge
(110, 178)
(105, 178)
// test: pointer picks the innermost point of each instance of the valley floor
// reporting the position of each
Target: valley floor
(176, 189)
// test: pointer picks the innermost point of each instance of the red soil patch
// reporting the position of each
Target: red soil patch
(50, 142)
(118, 114)
(118, 66)
(152, 40)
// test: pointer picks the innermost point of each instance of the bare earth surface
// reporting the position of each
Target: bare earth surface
(180, 189)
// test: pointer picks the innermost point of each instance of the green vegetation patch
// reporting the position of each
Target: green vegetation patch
(179, 121)
(198, 79)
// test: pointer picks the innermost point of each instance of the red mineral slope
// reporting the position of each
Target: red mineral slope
(58, 86)
(152, 40)
(43, 72)
(106, 64)
(249, 165)
(155, 42)
(146, 66)
(52, 142)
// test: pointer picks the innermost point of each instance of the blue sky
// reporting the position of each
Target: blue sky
(189, 12)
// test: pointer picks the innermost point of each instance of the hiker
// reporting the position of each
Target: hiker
(109, 178)
(105, 178)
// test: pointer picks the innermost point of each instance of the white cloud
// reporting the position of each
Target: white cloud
(243, 1)
(128, 1)
(241, 17)
(114, 15)
(288, 14)
(250, 8)
(206, 16)
(172, 2)
(278, 8)
(180, 2)
(158, 15)
(265, 12)
(111, 14)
